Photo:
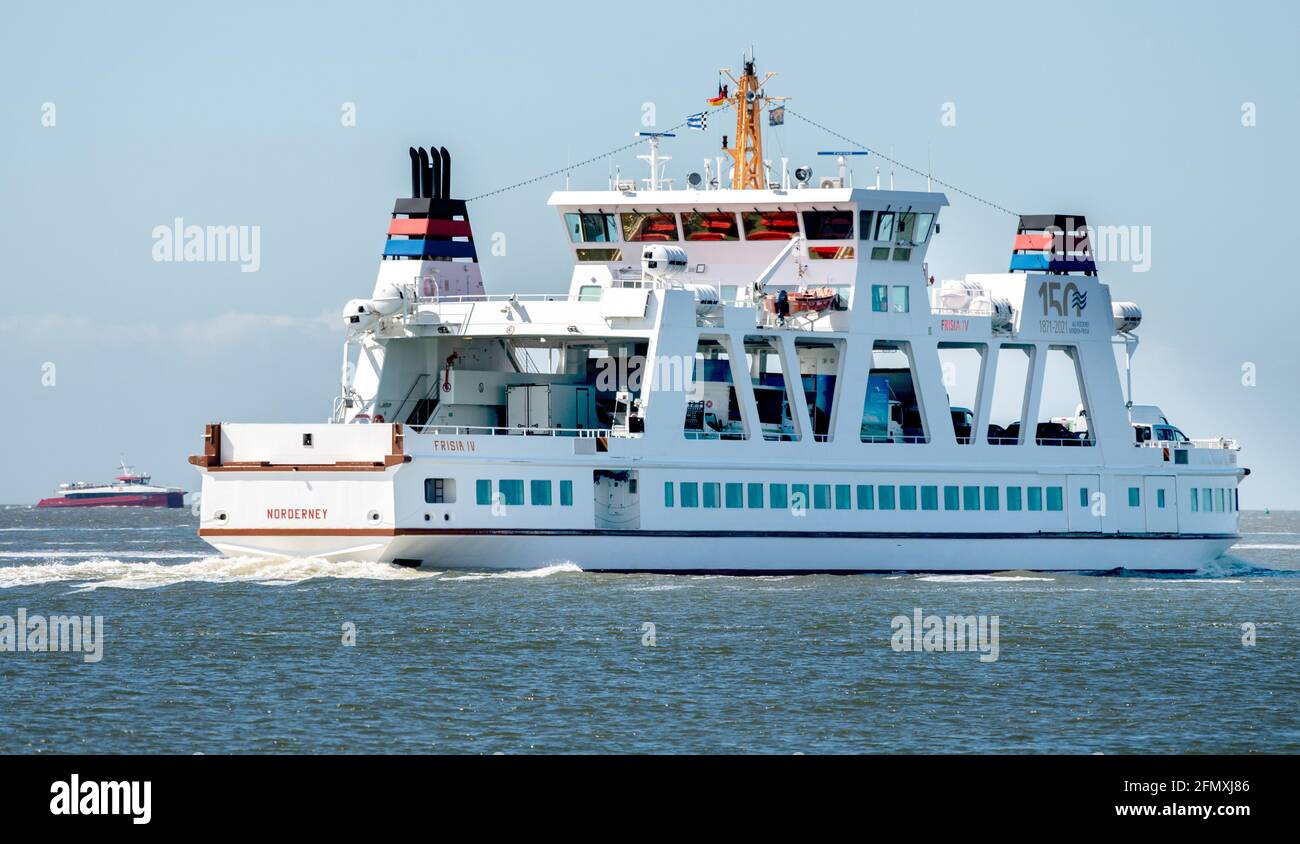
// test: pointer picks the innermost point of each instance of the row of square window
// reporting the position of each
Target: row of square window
(511, 493)
(860, 496)
(1214, 500)
(887, 497)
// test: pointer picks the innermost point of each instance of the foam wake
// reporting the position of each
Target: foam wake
(545, 571)
(117, 574)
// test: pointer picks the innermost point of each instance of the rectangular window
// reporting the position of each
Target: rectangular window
(649, 226)
(539, 493)
(828, 225)
(599, 256)
(907, 498)
(710, 225)
(770, 225)
(777, 496)
(898, 299)
(483, 491)
(1218, 500)
(690, 494)
(1035, 498)
(512, 493)
(1134, 497)
(822, 496)
(566, 493)
(902, 253)
(1083, 496)
(929, 498)
(991, 498)
(866, 497)
(970, 497)
(886, 497)
(799, 496)
(1160, 499)
(1196, 500)
(712, 495)
(843, 497)
(440, 490)
(878, 253)
(1013, 498)
(735, 496)
(589, 227)
(1206, 502)
(756, 496)
(951, 500)
(1055, 498)
(879, 298)
(668, 493)
(885, 226)
(864, 224)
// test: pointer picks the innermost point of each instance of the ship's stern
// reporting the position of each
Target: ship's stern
(284, 490)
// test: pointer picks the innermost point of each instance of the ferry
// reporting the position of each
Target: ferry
(128, 489)
(746, 374)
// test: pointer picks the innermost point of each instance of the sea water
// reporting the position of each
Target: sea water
(201, 653)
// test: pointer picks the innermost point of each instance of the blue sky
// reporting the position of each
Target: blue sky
(231, 115)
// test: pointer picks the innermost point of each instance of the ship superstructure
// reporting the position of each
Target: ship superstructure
(746, 373)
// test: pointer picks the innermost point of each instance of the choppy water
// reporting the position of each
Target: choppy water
(204, 654)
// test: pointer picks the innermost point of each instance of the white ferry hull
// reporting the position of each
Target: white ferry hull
(750, 554)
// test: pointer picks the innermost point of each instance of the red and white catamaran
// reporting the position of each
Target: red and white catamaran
(129, 489)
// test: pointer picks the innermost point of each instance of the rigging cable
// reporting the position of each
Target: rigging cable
(879, 154)
(570, 167)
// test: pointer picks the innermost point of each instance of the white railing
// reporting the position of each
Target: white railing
(500, 431)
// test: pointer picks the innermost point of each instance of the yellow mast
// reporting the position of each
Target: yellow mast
(747, 151)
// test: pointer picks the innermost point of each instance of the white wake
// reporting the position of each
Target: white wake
(117, 574)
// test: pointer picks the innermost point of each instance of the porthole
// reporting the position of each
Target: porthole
(373, 515)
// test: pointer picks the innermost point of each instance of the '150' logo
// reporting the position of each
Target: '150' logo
(1057, 298)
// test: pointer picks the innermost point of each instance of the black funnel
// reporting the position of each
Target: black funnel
(415, 173)
(446, 173)
(435, 175)
(426, 180)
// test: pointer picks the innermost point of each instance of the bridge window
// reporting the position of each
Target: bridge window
(589, 227)
(865, 219)
(914, 228)
(770, 225)
(884, 226)
(599, 256)
(710, 225)
(649, 225)
(828, 225)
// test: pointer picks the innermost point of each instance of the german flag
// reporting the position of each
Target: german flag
(720, 98)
